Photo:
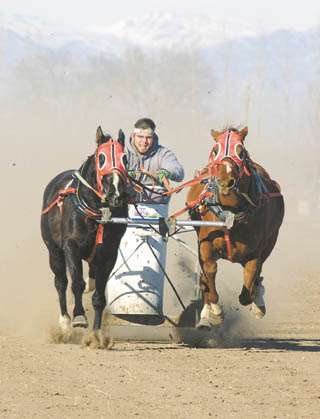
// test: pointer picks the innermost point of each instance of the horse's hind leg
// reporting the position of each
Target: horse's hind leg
(58, 267)
(258, 307)
(253, 291)
(74, 264)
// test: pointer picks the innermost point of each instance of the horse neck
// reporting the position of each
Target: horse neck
(88, 172)
(194, 192)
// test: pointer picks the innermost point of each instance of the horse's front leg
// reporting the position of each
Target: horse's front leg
(74, 264)
(253, 290)
(211, 313)
(90, 280)
(102, 270)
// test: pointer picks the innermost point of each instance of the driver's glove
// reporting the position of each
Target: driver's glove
(163, 173)
(132, 174)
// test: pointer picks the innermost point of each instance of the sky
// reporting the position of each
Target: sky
(101, 12)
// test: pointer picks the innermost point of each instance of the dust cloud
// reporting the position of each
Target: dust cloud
(51, 104)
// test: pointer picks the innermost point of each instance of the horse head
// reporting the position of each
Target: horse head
(111, 168)
(228, 158)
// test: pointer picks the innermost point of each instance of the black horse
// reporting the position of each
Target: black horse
(73, 204)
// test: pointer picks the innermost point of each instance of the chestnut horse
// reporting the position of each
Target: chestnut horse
(73, 204)
(235, 183)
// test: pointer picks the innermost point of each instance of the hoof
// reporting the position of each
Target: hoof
(245, 297)
(204, 324)
(80, 321)
(258, 311)
(90, 284)
(216, 319)
(65, 322)
(258, 307)
(212, 313)
(96, 340)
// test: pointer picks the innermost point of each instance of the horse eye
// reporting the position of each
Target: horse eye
(102, 160)
(240, 152)
(215, 149)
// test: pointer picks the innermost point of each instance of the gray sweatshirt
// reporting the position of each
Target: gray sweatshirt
(157, 157)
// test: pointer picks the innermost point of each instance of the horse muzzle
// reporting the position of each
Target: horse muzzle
(225, 187)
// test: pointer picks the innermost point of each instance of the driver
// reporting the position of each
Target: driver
(144, 153)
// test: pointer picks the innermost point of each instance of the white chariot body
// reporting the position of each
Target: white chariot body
(135, 288)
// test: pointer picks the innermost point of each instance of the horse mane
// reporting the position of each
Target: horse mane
(231, 128)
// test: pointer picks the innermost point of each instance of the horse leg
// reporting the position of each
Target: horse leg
(99, 299)
(58, 267)
(74, 264)
(97, 340)
(258, 307)
(253, 290)
(211, 313)
(90, 280)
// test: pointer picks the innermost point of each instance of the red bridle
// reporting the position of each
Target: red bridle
(110, 158)
(229, 145)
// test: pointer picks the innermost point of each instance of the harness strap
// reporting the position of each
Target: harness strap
(84, 210)
(273, 194)
(189, 205)
(59, 199)
(228, 244)
(192, 204)
(87, 184)
(247, 197)
(99, 236)
(99, 240)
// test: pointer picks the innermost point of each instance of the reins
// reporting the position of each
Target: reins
(81, 205)
(87, 184)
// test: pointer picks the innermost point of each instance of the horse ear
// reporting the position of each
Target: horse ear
(121, 137)
(244, 133)
(99, 135)
(214, 134)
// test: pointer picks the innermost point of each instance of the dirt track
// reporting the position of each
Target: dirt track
(276, 377)
(273, 373)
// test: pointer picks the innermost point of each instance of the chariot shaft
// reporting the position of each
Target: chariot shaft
(155, 221)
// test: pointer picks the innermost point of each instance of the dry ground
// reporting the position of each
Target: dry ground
(265, 369)
(272, 378)
(273, 373)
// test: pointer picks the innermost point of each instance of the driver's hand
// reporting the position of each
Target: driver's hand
(133, 174)
(163, 174)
